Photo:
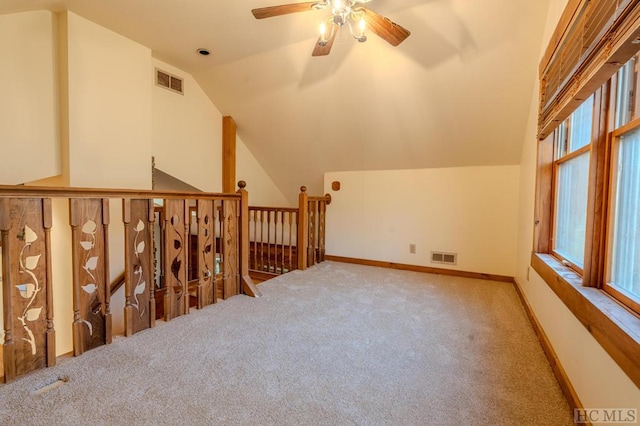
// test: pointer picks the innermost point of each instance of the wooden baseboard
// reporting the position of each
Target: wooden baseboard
(561, 376)
(426, 269)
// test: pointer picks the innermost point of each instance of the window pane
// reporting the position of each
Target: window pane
(625, 261)
(624, 93)
(580, 128)
(571, 208)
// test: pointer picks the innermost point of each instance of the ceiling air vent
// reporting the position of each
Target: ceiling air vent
(169, 81)
(448, 258)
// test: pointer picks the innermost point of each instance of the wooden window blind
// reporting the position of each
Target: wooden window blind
(593, 39)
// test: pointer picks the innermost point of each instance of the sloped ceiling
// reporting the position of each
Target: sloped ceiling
(456, 93)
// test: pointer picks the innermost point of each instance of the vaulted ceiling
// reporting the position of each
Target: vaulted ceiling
(457, 92)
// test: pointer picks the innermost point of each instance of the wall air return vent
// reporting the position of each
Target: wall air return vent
(446, 258)
(169, 81)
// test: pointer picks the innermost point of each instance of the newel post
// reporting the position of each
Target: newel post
(248, 287)
(303, 227)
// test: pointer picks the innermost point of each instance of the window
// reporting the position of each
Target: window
(573, 139)
(587, 235)
(623, 257)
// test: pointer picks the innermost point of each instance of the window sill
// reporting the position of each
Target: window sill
(612, 325)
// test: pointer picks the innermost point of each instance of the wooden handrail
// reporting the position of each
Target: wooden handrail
(45, 191)
(113, 287)
(117, 283)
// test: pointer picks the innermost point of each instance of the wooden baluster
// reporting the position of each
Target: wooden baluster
(311, 252)
(187, 248)
(8, 346)
(322, 208)
(275, 242)
(238, 248)
(254, 255)
(292, 216)
(26, 285)
(160, 304)
(138, 216)
(175, 253)
(268, 240)
(128, 270)
(282, 242)
(230, 248)
(206, 253)
(248, 287)
(107, 273)
(303, 228)
(151, 216)
(50, 333)
(219, 288)
(90, 277)
(261, 240)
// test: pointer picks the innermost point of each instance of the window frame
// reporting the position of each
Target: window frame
(614, 325)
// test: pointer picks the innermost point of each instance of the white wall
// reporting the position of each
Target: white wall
(29, 138)
(471, 211)
(597, 379)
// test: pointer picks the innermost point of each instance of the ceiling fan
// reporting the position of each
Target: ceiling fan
(343, 12)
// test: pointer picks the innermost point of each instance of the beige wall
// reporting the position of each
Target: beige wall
(597, 379)
(471, 211)
(29, 137)
(262, 190)
(110, 82)
(187, 133)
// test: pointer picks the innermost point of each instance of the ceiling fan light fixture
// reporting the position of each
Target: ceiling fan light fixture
(350, 12)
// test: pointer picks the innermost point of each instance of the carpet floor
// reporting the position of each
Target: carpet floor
(336, 344)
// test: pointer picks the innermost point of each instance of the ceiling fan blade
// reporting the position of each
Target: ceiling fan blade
(321, 50)
(283, 9)
(383, 27)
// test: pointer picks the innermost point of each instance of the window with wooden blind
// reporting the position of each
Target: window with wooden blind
(587, 217)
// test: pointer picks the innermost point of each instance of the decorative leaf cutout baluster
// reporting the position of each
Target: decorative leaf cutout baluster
(29, 290)
(91, 262)
(138, 249)
(177, 263)
(206, 273)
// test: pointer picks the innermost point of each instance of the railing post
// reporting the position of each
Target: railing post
(322, 223)
(248, 287)
(303, 227)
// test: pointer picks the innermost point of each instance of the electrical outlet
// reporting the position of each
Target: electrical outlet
(412, 248)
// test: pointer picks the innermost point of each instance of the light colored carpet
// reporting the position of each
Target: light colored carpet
(336, 344)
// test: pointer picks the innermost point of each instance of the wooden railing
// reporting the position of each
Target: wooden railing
(283, 239)
(27, 215)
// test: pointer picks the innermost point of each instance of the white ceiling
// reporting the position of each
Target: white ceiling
(457, 92)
